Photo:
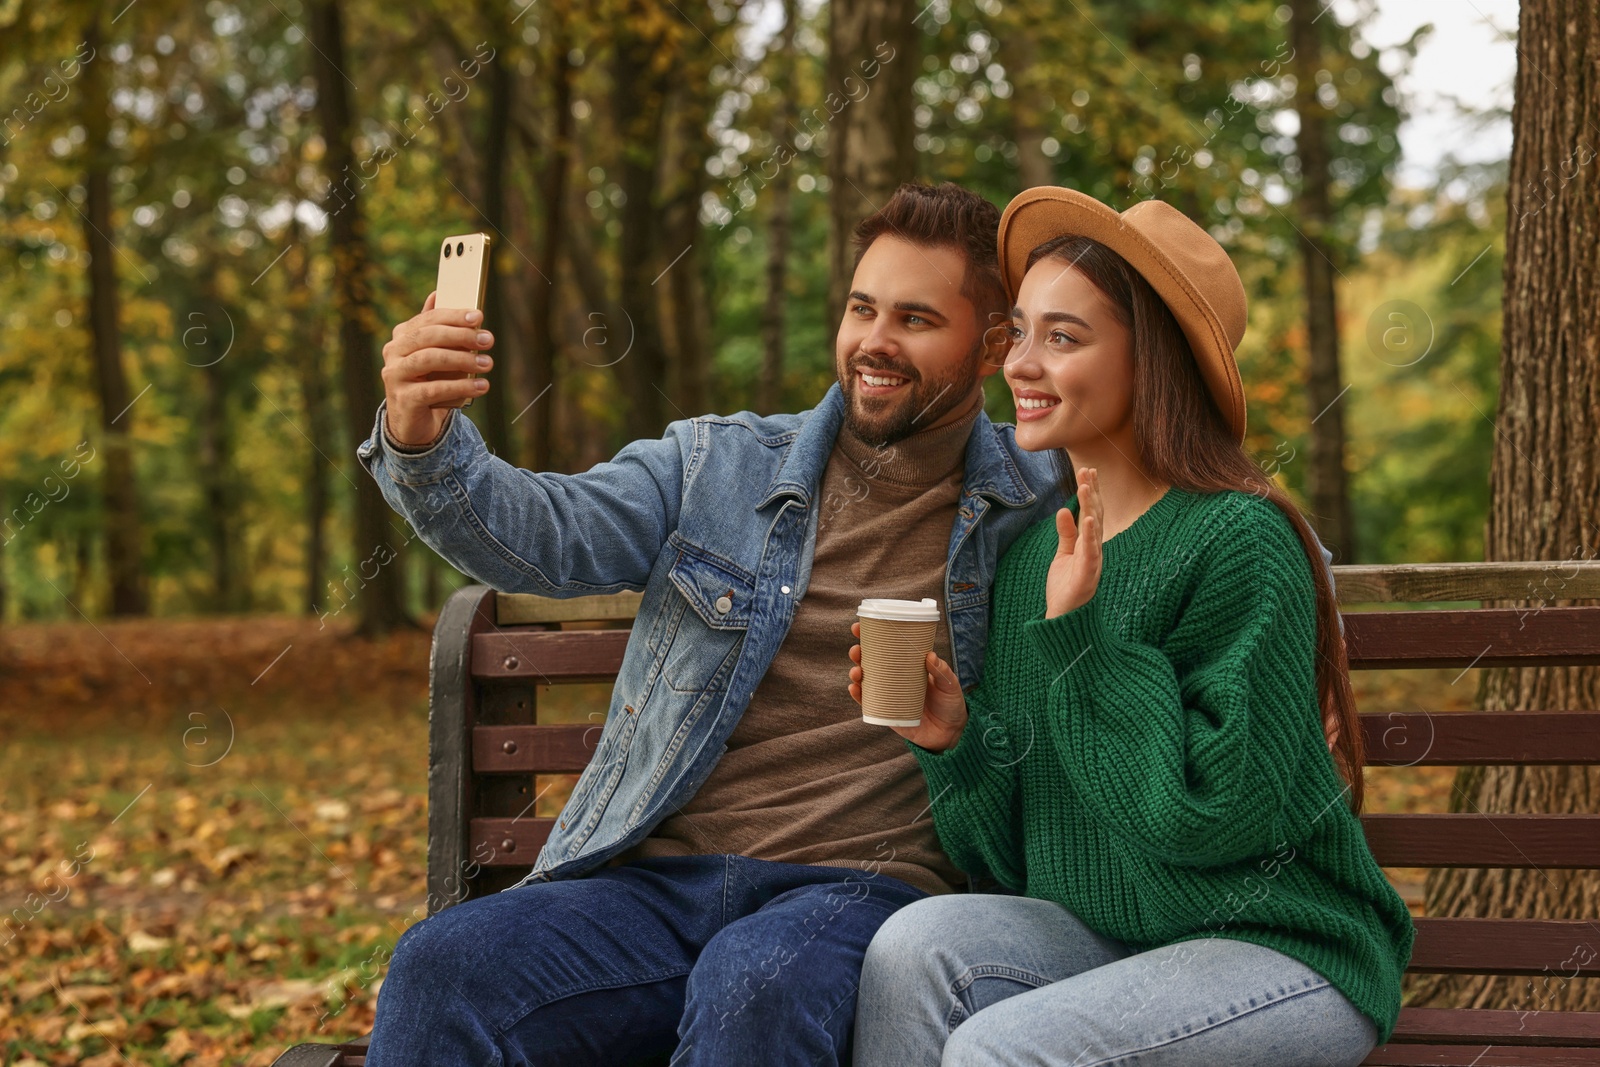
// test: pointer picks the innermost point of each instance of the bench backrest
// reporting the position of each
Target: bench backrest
(493, 654)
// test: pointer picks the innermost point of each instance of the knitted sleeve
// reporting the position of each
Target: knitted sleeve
(972, 787)
(1192, 749)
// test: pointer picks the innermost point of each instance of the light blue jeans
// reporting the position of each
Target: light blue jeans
(1002, 981)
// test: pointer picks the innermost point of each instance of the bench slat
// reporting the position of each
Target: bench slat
(1535, 581)
(1483, 637)
(1491, 738)
(548, 655)
(513, 609)
(523, 749)
(1469, 839)
(1397, 739)
(1405, 846)
(1480, 637)
(1507, 946)
(1478, 1055)
(508, 841)
(1485, 1025)
(1394, 739)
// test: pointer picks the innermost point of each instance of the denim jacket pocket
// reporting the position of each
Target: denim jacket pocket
(708, 626)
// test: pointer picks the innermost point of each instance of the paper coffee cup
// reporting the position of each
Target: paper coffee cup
(896, 637)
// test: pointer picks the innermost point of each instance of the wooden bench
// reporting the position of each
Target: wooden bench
(493, 655)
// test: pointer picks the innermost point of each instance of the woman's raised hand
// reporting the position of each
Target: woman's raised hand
(944, 714)
(1075, 572)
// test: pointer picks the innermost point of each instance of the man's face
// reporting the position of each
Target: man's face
(910, 349)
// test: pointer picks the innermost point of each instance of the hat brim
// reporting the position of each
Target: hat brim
(1041, 214)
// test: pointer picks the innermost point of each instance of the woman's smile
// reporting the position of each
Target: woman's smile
(1033, 404)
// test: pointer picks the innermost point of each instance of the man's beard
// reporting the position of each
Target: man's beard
(884, 421)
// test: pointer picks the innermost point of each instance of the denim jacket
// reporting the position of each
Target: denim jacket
(715, 522)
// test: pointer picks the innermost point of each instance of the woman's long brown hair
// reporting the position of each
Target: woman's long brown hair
(1184, 441)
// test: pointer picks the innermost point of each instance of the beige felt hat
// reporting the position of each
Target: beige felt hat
(1182, 262)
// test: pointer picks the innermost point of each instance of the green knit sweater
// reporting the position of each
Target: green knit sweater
(1154, 761)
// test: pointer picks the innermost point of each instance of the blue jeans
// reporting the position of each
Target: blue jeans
(707, 959)
(1005, 981)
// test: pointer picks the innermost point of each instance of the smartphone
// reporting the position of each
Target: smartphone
(463, 276)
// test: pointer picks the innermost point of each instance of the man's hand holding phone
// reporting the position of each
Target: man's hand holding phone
(426, 367)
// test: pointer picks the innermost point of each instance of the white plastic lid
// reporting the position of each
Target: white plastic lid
(924, 610)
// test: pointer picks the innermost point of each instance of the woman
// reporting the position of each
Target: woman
(1163, 756)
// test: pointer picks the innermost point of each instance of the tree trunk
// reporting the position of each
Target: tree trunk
(124, 536)
(769, 398)
(553, 196)
(5, 571)
(313, 396)
(684, 183)
(1028, 111)
(382, 607)
(1544, 484)
(1327, 486)
(870, 139)
(638, 104)
(215, 461)
(82, 568)
(501, 289)
(432, 601)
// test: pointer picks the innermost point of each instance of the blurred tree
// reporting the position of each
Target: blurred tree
(313, 396)
(778, 221)
(381, 607)
(554, 171)
(683, 295)
(1327, 485)
(646, 44)
(124, 539)
(1544, 486)
(874, 48)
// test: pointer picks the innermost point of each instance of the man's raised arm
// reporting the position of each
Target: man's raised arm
(517, 530)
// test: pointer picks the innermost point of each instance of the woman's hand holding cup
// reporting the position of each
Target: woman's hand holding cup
(944, 713)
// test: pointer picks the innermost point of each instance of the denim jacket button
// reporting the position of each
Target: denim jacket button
(785, 590)
(724, 605)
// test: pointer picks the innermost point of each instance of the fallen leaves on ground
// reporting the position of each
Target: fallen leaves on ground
(188, 885)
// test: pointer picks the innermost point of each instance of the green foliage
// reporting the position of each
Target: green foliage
(219, 192)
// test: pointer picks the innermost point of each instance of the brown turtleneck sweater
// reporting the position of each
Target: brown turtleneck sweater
(804, 780)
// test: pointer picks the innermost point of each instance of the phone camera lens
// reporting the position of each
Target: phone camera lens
(447, 250)
(459, 248)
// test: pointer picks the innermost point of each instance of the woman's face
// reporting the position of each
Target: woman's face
(1071, 363)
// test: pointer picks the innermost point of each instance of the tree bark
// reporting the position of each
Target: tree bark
(83, 566)
(769, 399)
(381, 588)
(1327, 485)
(313, 397)
(870, 139)
(553, 197)
(216, 480)
(124, 531)
(1028, 111)
(502, 288)
(639, 81)
(1545, 482)
(683, 184)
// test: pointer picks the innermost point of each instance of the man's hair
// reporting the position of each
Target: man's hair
(946, 216)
